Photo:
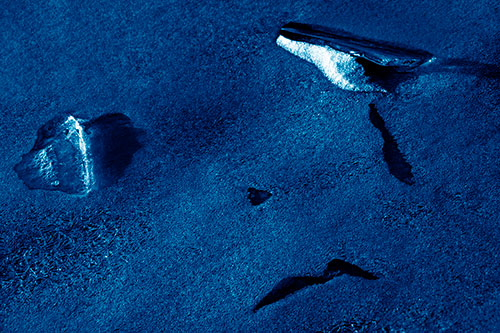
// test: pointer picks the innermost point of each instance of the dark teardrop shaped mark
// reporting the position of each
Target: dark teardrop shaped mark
(290, 285)
(395, 160)
(257, 197)
(114, 141)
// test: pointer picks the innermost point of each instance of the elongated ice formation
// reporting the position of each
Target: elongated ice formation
(339, 67)
(348, 61)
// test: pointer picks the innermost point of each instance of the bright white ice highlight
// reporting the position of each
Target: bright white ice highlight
(75, 129)
(339, 67)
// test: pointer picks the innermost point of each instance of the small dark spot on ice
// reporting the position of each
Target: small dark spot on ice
(257, 197)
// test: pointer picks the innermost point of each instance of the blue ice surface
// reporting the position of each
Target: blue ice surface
(175, 245)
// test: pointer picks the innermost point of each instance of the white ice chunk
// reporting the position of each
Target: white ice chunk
(339, 67)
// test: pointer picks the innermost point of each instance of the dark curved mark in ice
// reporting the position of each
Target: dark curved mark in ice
(395, 160)
(257, 197)
(338, 267)
(290, 285)
(76, 156)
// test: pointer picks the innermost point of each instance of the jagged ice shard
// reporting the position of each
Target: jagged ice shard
(76, 156)
(348, 61)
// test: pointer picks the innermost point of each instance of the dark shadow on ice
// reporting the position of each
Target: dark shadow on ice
(77, 156)
(257, 197)
(114, 141)
(290, 285)
(389, 78)
(398, 166)
(386, 77)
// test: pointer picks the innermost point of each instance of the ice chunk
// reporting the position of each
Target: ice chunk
(77, 156)
(378, 52)
(340, 68)
(60, 158)
(350, 62)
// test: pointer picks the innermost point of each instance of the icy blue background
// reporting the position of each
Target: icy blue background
(175, 244)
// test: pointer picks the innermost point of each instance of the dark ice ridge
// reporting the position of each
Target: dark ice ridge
(257, 197)
(290, 285)
(398, 166)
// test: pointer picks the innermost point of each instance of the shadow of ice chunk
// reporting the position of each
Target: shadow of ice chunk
(75, 156)
(338, 267)
(114, 141)
(288, 286)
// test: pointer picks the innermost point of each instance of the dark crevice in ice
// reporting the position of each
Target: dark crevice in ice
(257, 197)
(290, 285)
(398, 166)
